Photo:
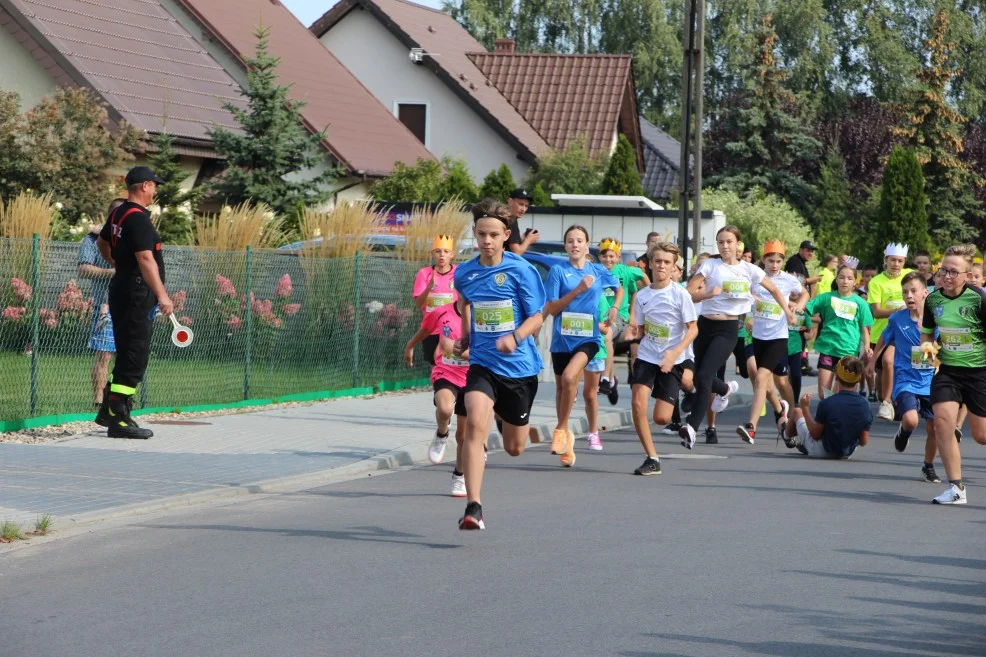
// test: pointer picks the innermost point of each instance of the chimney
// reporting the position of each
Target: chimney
(507, 46)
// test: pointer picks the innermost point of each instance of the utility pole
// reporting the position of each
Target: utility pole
(692, 93)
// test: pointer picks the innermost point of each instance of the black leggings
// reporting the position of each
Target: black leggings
(794, 375)
(715, 342)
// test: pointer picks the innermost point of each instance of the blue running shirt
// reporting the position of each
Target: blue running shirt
(501, 297)
(577, 324)
(911, 372)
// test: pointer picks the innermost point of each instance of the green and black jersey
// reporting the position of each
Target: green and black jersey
(961, 324)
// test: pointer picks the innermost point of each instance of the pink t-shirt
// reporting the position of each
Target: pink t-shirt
(442, 294)
(444, 320)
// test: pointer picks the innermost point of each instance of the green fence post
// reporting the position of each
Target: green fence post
(249, 322)
(35, 317)
(356, 318)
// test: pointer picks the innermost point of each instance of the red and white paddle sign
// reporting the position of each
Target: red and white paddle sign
(181, 336)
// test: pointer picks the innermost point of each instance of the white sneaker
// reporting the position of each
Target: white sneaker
(886, 411)
(721, 402)
(595, 443)
(954, 495)
(436, 451)
(458, 485)
(687, 436)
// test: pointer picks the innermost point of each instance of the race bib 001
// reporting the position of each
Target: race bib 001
(577, 325)
(659, 333)
(768, 310)
(494, 316)
(736, 289)
(844, 309)
(956, 339)
(917, 360)
(437, 300)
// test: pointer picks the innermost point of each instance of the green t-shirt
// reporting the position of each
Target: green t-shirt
(886, 292)
(960, 322)
(794, 335)
(843, 321)
(628, 277)
(603, 316)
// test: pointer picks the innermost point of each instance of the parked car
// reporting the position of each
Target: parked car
(558, 249)
(382, 243)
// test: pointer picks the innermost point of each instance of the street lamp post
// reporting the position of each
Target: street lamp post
(692, 84)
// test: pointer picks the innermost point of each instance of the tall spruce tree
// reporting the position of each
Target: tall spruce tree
(772, 148)
(934, 130)
(837, 228)
(903, 213)
(174, 223)
(622, 177)
(498, 184)
(273, 145)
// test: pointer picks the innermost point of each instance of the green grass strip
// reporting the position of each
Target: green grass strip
(383, 386)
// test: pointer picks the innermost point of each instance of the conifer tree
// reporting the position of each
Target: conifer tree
(622, 177)
(498, 184)
(177, 205)
(903, 214)
(837, 227)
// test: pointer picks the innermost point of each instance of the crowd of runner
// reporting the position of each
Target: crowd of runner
(914, 338)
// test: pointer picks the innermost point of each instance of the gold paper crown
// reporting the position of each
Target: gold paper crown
(610, 245)
(443, 242)
(774, 246)
(846, 376)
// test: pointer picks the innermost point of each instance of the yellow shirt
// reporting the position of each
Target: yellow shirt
(828, 277)
(885, 292)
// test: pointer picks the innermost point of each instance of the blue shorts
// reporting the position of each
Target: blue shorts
(101, 338)
(908, 401)
(596, 365)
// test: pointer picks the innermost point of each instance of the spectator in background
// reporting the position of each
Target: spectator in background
(976, 276)
(827, 275)
(92, 266)
(749, 255)
(797, 265)
(922, 263)
(653, 239)
(869, 271)
(518, 204)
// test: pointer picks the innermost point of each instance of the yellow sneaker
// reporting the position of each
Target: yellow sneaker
(559, 441)
(568, 458)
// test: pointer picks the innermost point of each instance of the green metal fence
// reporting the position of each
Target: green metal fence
(267, 325)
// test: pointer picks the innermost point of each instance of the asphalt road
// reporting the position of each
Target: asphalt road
(762, 553)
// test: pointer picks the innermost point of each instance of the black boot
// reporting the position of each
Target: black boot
(103, 414)
(121, 424)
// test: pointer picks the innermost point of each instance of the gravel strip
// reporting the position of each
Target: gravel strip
(70, 430)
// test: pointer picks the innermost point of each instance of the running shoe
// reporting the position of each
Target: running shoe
(862, 393)
(747, 432)
(473, 517)
(613, 395)
(958, 434)
(559, 441)
(808, 370)
(604, 386)
(721, 402)
(785, 412)
(671, 429)
(650, 466)
(687, 436)
(953, 495)
(789, 441)
(595, 443)
(900, 439)
(458, 485)
(711, 436)
(886, 411)
(568, 458)
(436, 451)
(872, 398)
(929, 475)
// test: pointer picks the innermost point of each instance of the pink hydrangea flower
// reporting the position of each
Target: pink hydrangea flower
(284, 287)
(225, 287)
(22, 290)
(13, 313)
(185, 320)
(291, 309)
(234, 323)
(179, 299)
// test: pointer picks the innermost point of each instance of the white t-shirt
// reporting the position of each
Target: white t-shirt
(663, 314)
(769, 320)
(736, 282)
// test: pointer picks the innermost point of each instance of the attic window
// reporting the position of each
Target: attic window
(414, 115)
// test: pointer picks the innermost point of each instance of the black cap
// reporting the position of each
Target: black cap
(808, 245)
(138, 175)
(520, 192)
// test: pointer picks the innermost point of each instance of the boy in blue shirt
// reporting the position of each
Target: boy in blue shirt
(500, 298)
(841, 422)
(912, 373)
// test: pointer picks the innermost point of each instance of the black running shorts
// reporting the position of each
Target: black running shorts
(964, 385)
(444, 384)
(560, 360)
(771, 354)
(512, 398)
(664, 386)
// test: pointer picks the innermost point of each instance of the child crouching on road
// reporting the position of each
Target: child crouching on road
(842, 421)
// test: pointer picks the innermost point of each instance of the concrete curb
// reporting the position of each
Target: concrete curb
(412, 454)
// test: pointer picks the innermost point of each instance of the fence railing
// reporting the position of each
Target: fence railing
(267, 325)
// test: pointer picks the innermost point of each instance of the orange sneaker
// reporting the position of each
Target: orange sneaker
(568, 458)
(559, 441)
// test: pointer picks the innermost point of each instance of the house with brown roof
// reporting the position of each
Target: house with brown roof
(488, 108)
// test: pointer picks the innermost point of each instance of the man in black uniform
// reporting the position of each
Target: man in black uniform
(797, 265)
(130, 242)
(518, 203)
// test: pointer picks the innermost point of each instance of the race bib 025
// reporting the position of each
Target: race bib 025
(494, 316)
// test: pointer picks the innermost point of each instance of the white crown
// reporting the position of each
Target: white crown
(850, 261)
(896, 249)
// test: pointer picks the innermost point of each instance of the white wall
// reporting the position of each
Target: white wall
(381, 63)
(630, 231)
(20, 72)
